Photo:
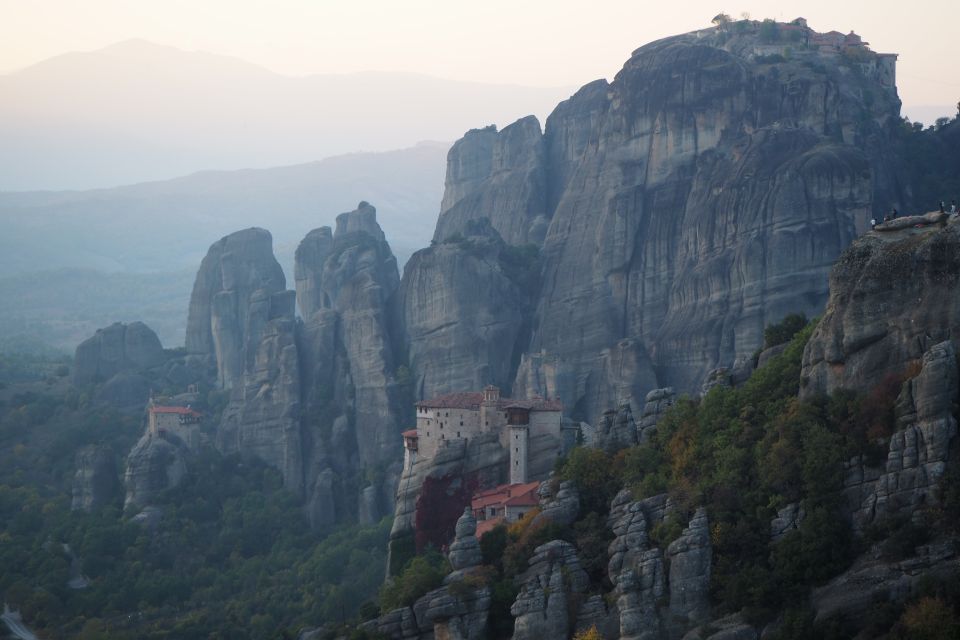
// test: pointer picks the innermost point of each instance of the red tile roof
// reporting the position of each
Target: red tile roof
(485, 526)
(514, 495)
(184, 411)
(525, 500)
(473, 399)
(409, 433)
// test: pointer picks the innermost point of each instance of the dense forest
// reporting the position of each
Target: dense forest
(231, 557)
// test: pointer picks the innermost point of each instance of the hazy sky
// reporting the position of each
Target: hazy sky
(532, 42)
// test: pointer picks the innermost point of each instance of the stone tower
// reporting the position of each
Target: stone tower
(519, 436)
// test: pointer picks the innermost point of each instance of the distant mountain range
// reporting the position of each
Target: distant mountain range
(138, 111)
(77, 260)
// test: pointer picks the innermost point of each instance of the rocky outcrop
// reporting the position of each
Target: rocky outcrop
(459, 609)
(787, 519)
(657, 403)
(155, 464)
(95, 482)
(855, 593)
(263, 417)
(236, 279)
(541, 609)
(500, 176)
(918, 453)
(433, 493)
(465, 550)
(659, 593)
(892, 297)
(115, 349)
(687, 205)
(465, 307)
(906, 222)
(616, 430)
(242, 321)
(561, 508)
(690, 558)
(450, 613)
(353, 401)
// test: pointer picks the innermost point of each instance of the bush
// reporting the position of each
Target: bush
(784, 330)
(421, 575)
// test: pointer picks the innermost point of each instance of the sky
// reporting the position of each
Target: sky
(530, 42)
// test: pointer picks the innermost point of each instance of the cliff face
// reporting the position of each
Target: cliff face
(698, 197)
(464, 307)
(892, 297)
(235, 280)
(353, 401)
(242, 320)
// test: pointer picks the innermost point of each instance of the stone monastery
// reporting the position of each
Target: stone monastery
(527, 428)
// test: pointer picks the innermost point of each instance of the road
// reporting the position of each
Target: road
(12, 620)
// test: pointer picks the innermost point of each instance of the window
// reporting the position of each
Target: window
(461, 423)
(458, 434)
(517, 449)
(516, 463)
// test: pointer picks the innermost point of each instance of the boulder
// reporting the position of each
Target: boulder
(115, 349)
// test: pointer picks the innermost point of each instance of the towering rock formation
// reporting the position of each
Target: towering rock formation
(353, 400)
(234, 284)
(698, 197)
(115, 349)
(242, 319)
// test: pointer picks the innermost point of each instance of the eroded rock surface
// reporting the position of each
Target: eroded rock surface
(95, 482)
(465, 306)
(892, 297)
(155, 464)
(353, 403)
(918, 453)
(541, 608)
(236, 279)
(115, 349)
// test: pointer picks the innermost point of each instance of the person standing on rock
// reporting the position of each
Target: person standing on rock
(953, 207)
(943, 209)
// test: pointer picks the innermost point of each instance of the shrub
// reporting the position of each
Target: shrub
(421, 575)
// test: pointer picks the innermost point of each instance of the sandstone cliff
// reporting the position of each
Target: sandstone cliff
(236, 269)
(679, 209)
(115, 349)
(892, 297)
(354, 403)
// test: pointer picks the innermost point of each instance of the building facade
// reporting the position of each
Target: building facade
(466, 415)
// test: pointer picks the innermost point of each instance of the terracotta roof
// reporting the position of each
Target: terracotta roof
(525, 500)
(184, 411)
(484, 526)
(473, 400)
(505, 494)
(409, 433)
